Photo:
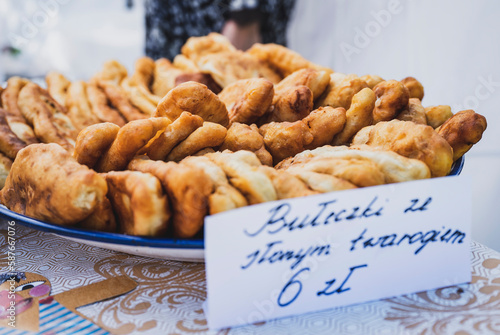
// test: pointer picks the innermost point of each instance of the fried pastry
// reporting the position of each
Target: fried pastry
(392, 98)
(290, 104)
(185, 64)
(341, 90)
(244, 137)
(202, 78)
(142, 79)
(248, 99)
(119, 99)
(112, 72)
(322, 183)
(50, 123)
(415, 112)
(101, 219)
(414, 87)
(197, 47)
(99, 104)
(160, 146)
(286, 185)
(359, 115)
(361, 172)
(195, 98)
(224, 197)
(324, 123)
(57, 86)
(231, 66)
(188, 189)
(5, 166)
(139, 202)
(78, 106)
(410, 140)
(47, 184)
(241, 167)
(138, 97)
(10, 144)
(209, 135)
(93, 141)
(396, 168)
(14, 117)
(317, 81)
(129, 140)
(286, 139)
(164, 77)
(437, 115)
(462, 131)
(371, 80)
(282, 59)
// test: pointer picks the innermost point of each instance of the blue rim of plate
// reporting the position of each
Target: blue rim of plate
(115, 238)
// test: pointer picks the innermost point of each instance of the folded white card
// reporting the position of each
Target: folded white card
(306, 254)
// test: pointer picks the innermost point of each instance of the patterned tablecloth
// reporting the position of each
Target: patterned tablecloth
(169, 297)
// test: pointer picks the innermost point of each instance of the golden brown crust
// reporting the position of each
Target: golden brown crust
(164, 77)
(413, 141)
(101, 219)
(248, 99)
(244, 137)
(139, 202)
(392, 98)
(93, 141)
(99, 104)
(160, 146)
(57, 86)
(188, 189)
(10, 144)
(199, 77)
(325, 123)
(47, 184)
(286, 139)
(414, 87)
(317, 81)
(138, 96)
(15, 118)
(185, 64)
(437, 115)
(242, 170)
(396, 168)
(415, 112)
(129, 140)
(112, 71)
(197, 47)
(78, 106)
(195, 98)
(50, 123)
(5, 166)
(210, 135)
(119, 99)
(286, 185)
(322, 183)
(282, 59)
(462, 131)
(341, 90)
(359, 115)
(224, 197)
(290, 104)
(229, 67)
(371, 80)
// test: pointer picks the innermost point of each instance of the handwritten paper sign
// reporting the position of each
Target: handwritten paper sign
(306, 254)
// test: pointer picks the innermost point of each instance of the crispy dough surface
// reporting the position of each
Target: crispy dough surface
(48, 184)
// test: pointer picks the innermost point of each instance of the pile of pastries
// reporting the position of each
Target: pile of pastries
(153, 153)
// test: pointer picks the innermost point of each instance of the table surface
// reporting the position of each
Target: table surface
(169, 296)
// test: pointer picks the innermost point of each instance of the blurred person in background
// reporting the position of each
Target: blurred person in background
(169, 23)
